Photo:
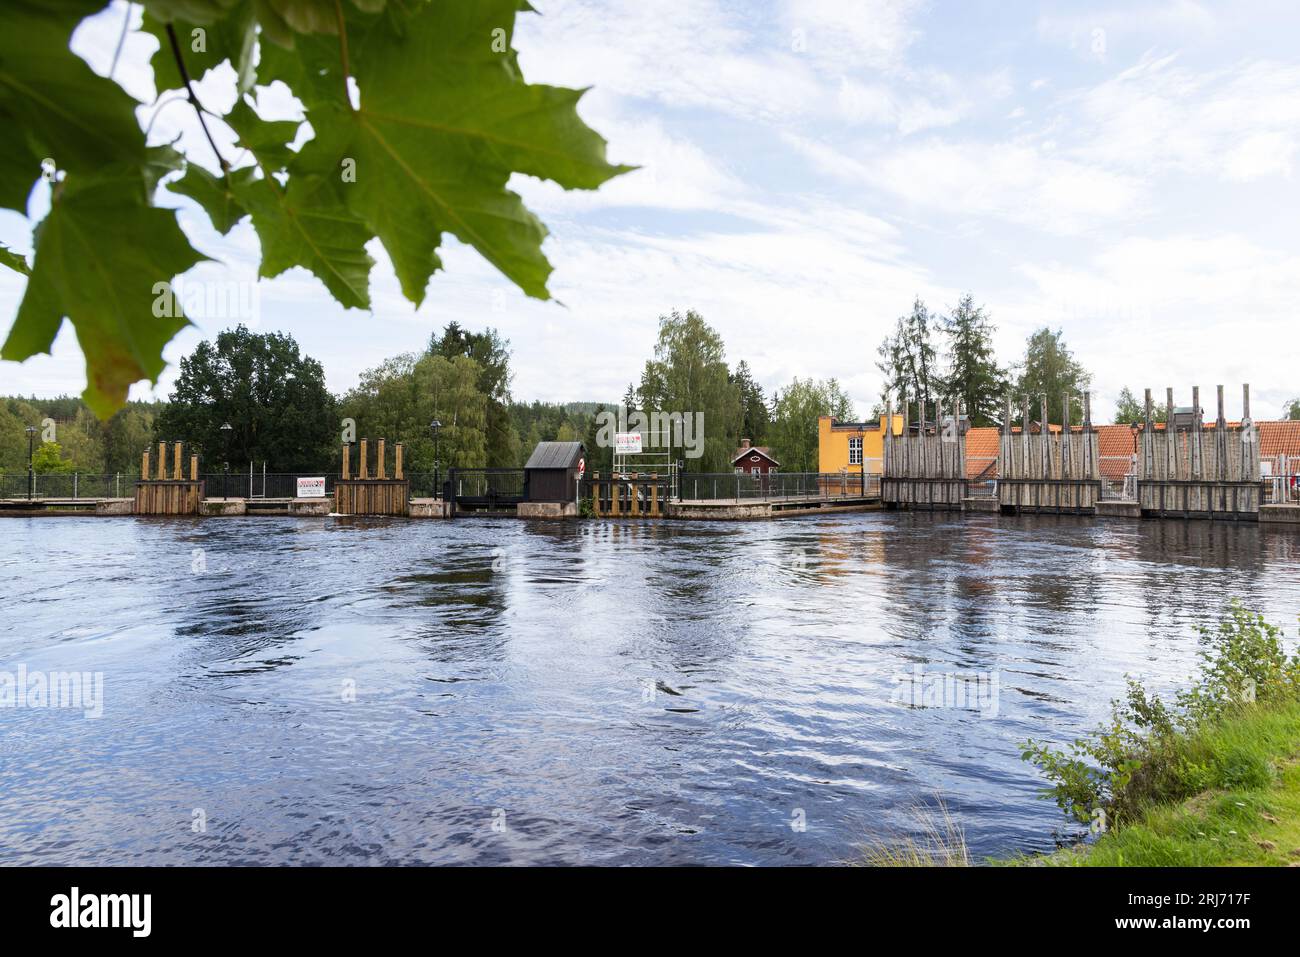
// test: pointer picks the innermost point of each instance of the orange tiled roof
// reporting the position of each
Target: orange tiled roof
(1117, 443)
(981, 447)
(1279, 438)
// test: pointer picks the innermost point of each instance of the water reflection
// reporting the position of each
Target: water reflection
(381, 691)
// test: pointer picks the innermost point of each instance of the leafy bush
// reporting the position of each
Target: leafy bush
(1150, 752)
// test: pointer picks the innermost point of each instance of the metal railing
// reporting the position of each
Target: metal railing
(982, 476)
(489, 485)
(1281, 479)
(1118, 477)
(70, 485)
(737, 487)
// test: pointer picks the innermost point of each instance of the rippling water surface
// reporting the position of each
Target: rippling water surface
(590, 692)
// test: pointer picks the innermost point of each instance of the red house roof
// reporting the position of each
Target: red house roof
(762, 450)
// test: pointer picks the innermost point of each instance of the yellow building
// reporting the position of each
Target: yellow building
(851, 446)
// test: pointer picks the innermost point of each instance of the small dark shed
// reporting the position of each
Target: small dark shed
(551, 472)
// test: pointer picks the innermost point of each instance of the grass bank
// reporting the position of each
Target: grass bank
(1248, 816)
(1209, 778)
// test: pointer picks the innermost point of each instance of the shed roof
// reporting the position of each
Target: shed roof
(555, 455)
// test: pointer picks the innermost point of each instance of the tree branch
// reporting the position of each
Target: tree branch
(194, 100)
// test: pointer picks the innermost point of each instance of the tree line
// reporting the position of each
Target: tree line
(930, 356)
(281, 414)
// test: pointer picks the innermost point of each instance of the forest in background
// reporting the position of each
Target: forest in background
(281, 414)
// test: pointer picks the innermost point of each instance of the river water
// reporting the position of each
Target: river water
(496, 691)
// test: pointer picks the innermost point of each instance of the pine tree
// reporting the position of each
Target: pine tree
(974, 375)
(909, 362)
(754, 417)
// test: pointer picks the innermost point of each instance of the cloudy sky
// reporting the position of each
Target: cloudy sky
(1125, 172)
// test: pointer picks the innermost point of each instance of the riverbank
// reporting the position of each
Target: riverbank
(1210, 778)
(1252, 820)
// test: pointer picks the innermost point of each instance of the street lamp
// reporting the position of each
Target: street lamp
(225, 466)
(31, 474)
(434, 426)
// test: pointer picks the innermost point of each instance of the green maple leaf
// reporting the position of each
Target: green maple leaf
(53, 107)
(303, 222)
(14, 261)
(222, 35)
(101, 255)
(432, 154)
(215, 194)
(444, 120)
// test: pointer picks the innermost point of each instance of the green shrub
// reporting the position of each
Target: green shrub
(1149, 752)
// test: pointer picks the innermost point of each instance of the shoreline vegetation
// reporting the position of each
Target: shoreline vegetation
(1209, 779)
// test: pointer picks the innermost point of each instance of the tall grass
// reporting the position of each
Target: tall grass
(937, 841)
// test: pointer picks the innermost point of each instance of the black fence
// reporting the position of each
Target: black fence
(80, 485)
(70, 485)
(488, 488)
(737, 487)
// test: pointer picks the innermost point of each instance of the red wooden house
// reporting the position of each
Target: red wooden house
(754, 460)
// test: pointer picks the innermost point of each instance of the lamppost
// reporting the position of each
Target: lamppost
(225, 467)
(434, 426)
(31, 474)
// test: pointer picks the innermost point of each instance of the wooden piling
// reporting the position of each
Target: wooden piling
(379, 461)
(1067, 471)
(363, 466)
(162, 461)
(1197, 464)
(397, 461)
(194, 468)
(347, 461)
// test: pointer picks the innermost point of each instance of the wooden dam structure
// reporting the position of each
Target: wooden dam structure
(1183, 472)
(161, 491)
(1184, 468)
(925, 468)
(1053, 472)
(367, 494)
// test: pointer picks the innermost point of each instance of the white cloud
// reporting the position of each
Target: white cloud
(1240, 122)
(1093, 35)
(1187, 309)
(1019, 182)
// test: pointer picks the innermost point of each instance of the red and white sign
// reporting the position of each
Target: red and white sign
(311, 488)
(627, 443)
(582, 467)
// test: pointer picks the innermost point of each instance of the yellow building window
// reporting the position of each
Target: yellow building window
(855, 450)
